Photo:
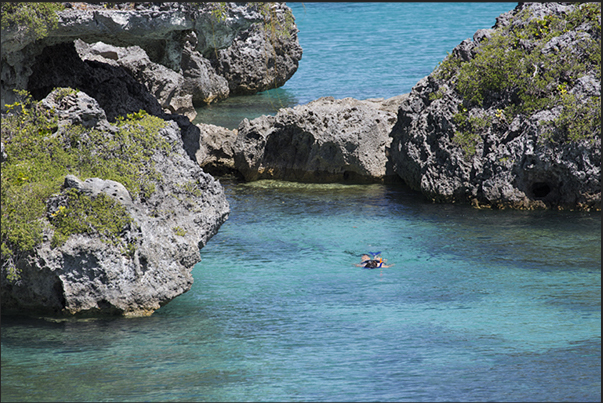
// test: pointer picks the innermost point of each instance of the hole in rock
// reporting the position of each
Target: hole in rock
(104, 304)
(540, 190)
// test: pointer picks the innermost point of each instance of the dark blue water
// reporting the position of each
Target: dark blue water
(480, 305)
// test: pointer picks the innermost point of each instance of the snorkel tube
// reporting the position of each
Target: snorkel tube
(375, 255)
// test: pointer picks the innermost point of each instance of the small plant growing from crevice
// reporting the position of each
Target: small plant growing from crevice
(179, 231)
(191, 187)
(64, 92)
(274, 25)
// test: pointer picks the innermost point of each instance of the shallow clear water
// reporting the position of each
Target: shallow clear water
(480, 305)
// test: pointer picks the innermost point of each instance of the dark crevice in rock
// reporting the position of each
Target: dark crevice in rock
(116, 91)
(540, 190)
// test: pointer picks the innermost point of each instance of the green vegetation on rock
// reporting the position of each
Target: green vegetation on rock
(33, 18)
(179, 231)
(272, 24)
(40, 153)
(101, 216)
(521, 69)
(470, 128)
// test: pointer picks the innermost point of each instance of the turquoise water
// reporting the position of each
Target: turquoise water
(362, 50)
(480, 305)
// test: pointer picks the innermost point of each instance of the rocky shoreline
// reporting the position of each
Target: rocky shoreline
(491, 154)
(454, 146)
(197, 53)
(98, 64)
(494, 150)
(151, 261)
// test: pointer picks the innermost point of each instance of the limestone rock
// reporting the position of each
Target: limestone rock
(216, 150)
(326, 140)
(115, 90)
(201, 80)
(76, 107)
(514, 164)
(88, 277)
(178, 36)
(94, 186)
(164, 84)
(258, 60)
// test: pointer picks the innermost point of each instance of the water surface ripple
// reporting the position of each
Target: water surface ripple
(480, 305)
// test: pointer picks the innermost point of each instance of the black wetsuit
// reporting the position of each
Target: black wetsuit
(372, 264)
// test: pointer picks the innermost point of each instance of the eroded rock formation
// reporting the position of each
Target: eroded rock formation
(268, 54)
(216, 150)
(326, 140)
(150, 265)
(453, 148)
(181, 37)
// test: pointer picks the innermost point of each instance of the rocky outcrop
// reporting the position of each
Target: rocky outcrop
(164, 84)
(326, 140)
(462, 136)
(116, 91)
(180, 37)
(200, 79)
(216, 150)
(266, 52)
(151, 264)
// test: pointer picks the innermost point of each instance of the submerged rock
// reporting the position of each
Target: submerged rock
(326, 140)
(152, 262)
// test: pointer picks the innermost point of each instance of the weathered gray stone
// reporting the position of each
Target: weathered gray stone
(115, 90)
(164, 84)
(72, 181)
(216, 149)
(76, 107)
(513, 165)
(200, 79)
(178, 36)
(94, 186)
(326, 140)
(258, 60)
(86, 276)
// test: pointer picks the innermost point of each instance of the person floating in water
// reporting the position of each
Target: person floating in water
(376, 262)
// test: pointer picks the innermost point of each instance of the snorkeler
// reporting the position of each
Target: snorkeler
(375, 263)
